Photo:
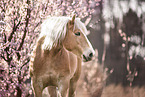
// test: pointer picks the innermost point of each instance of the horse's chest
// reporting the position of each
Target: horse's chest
(56, 68)
(53, 76)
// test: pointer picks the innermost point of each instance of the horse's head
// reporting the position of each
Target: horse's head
(76, 40)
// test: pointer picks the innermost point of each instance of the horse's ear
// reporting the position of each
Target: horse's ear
(73, 19)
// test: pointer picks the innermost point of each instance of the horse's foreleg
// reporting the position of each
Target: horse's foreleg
(72, 88)
(52, 91)
(37, 89)
(75, 78)
(63, 86)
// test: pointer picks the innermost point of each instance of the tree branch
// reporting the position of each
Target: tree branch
(14, 29)
(28, 59)
(36, 26)
(5, 38)
(4, 58)
(25, 30)
(19, 93)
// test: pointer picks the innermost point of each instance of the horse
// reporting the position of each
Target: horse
(57, 57)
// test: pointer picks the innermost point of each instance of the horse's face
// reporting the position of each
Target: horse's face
(77, 42)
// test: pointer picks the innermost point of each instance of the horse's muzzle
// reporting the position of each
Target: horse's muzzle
(88, 57)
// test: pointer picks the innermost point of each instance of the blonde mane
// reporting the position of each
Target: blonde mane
(54, 29)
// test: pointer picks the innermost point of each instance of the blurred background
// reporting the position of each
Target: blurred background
(116, 30)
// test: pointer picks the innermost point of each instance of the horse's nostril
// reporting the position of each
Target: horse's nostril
(91, 55)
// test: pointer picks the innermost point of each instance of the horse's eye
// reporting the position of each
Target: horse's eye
(78, 33)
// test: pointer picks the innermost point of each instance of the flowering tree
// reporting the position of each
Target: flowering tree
(20, 22)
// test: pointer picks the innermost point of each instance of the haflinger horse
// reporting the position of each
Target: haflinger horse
(58, 55)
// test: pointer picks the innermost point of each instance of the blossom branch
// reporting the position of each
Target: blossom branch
(25, 30)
